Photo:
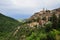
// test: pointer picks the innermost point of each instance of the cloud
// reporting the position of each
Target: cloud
(16, 4)
(15, 8)
(25, 3)
(48, 3)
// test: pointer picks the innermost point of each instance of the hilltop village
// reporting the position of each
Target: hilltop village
(42, 17)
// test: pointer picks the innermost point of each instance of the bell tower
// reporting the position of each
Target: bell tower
(43, 10)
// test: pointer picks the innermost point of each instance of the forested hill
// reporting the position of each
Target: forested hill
(7, 25)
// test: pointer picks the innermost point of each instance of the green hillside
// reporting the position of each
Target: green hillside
(11, 29)
(7, 26)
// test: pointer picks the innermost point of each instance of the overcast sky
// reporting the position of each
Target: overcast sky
(25, 8)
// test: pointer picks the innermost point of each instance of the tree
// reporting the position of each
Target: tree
(48, 26)
(54, 20)
(59, 21)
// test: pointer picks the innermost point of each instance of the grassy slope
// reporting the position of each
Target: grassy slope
(7, 26)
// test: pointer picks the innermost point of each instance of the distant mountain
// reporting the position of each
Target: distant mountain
(21, 20)
(7, 26)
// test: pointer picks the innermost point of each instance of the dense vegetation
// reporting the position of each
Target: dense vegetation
(7, 26)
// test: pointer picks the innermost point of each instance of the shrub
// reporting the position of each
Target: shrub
(48, 26)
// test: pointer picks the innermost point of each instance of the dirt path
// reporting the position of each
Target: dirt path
(16, 31)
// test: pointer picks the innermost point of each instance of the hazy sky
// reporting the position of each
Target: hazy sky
(25, 8)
